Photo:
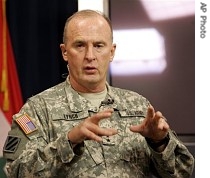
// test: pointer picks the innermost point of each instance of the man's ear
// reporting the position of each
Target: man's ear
(64, 52)
(112, 52)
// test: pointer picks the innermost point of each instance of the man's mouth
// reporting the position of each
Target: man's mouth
(90, 69)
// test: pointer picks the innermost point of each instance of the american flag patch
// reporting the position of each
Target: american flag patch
(26, 124)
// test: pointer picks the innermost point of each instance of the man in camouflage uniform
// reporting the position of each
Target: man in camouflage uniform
(84, 127)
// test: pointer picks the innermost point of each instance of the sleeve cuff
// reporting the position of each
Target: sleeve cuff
(169, 150)
(65, 150)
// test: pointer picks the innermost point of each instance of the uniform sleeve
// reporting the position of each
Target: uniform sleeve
(175, 161)
(34, 154)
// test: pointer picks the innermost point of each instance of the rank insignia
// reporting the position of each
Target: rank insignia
(25, 122)
(11, 144)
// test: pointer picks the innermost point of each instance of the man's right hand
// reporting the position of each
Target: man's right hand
(89, 129)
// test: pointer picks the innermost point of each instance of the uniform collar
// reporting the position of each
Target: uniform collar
(81, 104)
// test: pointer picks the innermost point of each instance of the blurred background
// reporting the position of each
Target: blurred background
(155, 52)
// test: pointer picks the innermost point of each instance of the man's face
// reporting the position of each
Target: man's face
(89, 50)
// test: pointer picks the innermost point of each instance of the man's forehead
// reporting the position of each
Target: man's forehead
(84, 29)
(91, 22)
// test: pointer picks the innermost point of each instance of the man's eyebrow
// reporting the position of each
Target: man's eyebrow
(100, 42)
(78, 41)
(94, 42)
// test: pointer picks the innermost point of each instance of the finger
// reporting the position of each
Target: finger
(158, 117)
(92, 136)
(166, 127)
(164, 124)
(150, 112)
(137, 128)
(161, 124)
(107, 131)
(158, 114)
(101, 115)
(95, 132)
(149, 119)
(101, 131)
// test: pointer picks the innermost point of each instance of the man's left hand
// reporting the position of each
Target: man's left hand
(154, 125)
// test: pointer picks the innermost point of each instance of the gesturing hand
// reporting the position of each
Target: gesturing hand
(154, 125)
(89, 128)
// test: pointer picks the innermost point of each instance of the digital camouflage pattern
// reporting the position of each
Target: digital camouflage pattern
(47, 153)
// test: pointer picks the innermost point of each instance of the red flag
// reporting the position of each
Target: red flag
(10, 92)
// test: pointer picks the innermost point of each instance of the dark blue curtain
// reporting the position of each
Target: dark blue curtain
(36, 29)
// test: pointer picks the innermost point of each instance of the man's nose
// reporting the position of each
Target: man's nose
(89, 55)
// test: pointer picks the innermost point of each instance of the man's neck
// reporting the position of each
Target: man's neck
(95, 98)
(89, 88)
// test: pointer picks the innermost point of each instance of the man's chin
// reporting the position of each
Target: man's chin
(91, 80)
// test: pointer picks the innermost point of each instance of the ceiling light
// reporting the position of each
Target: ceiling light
(167, 9)
(139, 51)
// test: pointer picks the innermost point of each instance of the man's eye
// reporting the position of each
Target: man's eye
(99, 46)
(79, 45)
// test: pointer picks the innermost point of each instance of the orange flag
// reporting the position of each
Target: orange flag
(10, 92)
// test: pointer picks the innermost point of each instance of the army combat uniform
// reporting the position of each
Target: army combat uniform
(37, 144)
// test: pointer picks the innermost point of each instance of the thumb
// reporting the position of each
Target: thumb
(137, 128)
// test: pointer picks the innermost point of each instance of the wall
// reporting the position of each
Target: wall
(173, 91)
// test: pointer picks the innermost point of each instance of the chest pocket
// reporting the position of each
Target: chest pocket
(65, 121)
(131, 116)
(117, 144)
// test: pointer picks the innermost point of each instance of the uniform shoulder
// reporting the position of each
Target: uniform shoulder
(127, 94)
(52, 92)
(124, 91)
(129, 99)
